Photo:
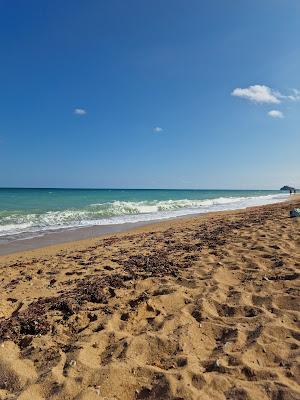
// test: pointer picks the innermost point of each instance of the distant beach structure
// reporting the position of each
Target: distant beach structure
(288, 188)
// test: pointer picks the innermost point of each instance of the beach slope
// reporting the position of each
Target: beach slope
(199, 308)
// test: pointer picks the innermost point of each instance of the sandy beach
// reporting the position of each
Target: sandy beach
(203, 308)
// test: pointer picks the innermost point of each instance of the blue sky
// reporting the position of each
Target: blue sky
(131, 93)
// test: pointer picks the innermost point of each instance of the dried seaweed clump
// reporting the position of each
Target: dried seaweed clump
(151, 265)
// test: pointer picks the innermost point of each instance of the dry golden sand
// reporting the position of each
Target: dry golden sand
(199, 308)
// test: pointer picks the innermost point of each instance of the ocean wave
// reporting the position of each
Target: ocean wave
(146, 207)
(119, 212)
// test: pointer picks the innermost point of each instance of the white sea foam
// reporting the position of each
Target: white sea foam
(120, 212)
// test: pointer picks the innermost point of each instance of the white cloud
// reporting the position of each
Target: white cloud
(264, 94)
(79, 111)
(158, 129)
(275, 114)
(257, 94)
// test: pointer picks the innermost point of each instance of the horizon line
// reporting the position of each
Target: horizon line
(123, 188)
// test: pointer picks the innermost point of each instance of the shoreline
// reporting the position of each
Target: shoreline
(78, 234)
(205, 307)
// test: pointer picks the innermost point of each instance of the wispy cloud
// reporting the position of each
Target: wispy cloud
(264, 94)
(275, 114)
(79, 111)
(295, 96)
(158, 129)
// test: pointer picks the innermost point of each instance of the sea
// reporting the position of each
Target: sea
(31, 213)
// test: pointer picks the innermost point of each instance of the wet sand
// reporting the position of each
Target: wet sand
(198, 308)
(65, 236)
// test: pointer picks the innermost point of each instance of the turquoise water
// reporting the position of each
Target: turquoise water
(32, 212)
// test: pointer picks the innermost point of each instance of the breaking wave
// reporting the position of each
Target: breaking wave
(119, 212)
